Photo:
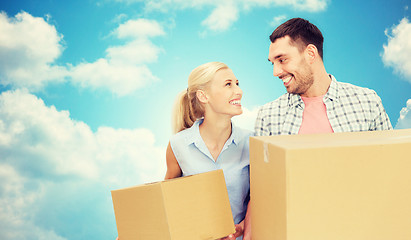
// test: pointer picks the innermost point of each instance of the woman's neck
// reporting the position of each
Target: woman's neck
(215, 132)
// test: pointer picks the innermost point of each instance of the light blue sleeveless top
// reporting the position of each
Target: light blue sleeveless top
(194, 157)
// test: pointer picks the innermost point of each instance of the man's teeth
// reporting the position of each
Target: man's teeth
(236, 102)
(287, 79)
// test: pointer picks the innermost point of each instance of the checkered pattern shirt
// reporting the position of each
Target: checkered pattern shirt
(349, 109)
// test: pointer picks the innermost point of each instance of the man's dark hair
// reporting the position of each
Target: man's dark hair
(302, 33)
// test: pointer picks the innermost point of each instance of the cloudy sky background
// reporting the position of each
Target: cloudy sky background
(86, 90)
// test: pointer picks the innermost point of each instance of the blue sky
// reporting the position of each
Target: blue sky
(87, 87)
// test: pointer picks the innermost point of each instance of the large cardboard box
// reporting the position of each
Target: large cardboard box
(341, 186)
(192, 207)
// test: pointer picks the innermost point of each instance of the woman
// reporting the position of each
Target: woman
(206, 139)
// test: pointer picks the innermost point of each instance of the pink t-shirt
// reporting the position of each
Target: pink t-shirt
(315, 119)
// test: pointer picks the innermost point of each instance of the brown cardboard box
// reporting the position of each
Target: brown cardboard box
(192, 207)
(341, 186)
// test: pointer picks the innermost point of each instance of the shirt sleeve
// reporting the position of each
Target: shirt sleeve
(260, 129)
(381, 120)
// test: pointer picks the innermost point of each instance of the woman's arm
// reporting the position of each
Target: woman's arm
(173, 168)
(247, 223)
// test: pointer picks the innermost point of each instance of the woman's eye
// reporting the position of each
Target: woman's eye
(228, 84)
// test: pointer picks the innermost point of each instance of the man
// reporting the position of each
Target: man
(315, 101)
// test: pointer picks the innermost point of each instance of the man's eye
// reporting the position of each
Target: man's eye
(228, 84)
(281, 60)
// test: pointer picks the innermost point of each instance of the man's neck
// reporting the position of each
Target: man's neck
(322, 82)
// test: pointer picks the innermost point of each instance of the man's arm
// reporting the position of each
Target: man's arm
(259, 127)
(381, 120)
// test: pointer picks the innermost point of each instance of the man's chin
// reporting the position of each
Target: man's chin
(290, 89)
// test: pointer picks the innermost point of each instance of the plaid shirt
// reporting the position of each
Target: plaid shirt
(349, 109)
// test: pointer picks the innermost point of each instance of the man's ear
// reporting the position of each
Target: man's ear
(311, 53)
(202, 96)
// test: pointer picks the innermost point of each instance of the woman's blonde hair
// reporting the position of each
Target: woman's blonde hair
(187, 108)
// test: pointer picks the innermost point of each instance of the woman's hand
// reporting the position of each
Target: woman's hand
(239, 229)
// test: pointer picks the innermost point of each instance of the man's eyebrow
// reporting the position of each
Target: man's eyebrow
(277, 57)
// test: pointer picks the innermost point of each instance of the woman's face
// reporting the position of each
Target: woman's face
(224, 94)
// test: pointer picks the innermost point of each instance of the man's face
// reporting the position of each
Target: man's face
(291, 66)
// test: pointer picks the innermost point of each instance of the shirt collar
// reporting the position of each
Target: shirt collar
(235, 136)
(332, 92)
(193, 134)
(294, 100)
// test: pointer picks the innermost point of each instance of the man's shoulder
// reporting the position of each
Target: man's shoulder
(352, 89)
(350, 93)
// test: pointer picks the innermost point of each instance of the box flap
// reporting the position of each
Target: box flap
(338, 139)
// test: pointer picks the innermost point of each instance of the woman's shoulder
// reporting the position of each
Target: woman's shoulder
(187, 135)
(180, 136)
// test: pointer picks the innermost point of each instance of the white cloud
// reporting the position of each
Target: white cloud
(16, 205)
(119, 18)
(34, 134)
(50, 163)
(404, 121)
(309, 5)
(397, 51)
(222, 16)
(124, 68)
(28, 48)
(134, 53)
(247, 119)
(225, 13)
(278, 20)
(300, 5)
(139, 28)
(120, 79)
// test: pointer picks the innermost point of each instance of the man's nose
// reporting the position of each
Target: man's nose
(277, 70)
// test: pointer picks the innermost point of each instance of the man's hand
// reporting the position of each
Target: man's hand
(247, 224)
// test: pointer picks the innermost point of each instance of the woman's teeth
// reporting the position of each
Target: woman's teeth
(235, 102)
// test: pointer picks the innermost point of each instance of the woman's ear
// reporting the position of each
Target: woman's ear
(202, 96)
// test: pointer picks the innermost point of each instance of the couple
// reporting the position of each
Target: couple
(315, 102)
